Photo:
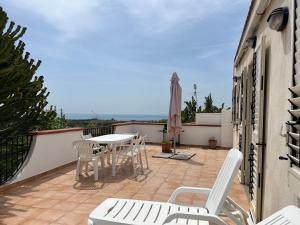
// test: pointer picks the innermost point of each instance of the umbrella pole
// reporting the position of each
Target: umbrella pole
(174, 144)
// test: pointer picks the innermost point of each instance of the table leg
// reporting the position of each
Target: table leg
(114, 149)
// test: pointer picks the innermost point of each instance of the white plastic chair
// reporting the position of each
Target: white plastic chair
(88, 151)
(137, 212)
(87, 136)
(289, 215)
(107, 147)
(132, 151)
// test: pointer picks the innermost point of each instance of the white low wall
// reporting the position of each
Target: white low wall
(192, 134)
(199, 135)
(224, 120)
(49, 150)
(208, 125)
(152, 130)
(209, 118)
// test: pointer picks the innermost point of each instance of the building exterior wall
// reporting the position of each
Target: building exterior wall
(223, 119)
(276, 191)
(226, 128)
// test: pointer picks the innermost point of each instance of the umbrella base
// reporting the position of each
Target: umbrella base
(162, 155)
(182, 156)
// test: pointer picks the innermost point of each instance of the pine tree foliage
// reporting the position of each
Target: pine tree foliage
(23, 97)
(209, 107)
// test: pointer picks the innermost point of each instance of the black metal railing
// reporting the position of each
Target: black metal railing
(13, 152)
(98, 131)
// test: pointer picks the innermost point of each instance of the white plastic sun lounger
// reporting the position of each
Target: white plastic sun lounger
(115, 211)
(289, 215)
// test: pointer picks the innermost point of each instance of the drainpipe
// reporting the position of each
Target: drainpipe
(259, 10)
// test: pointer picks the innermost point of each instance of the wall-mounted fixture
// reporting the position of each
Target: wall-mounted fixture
(278, 18)
(251, 42)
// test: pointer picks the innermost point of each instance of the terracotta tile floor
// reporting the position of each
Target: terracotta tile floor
(57, 198)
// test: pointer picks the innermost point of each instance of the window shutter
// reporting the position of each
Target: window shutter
(233, 105)
(251, 151)
(253, 97)
(293, 137)
(241, 97)
(251, 180)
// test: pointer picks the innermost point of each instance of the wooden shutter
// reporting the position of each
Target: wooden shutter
(234, 104)
(241, 96)
(253, 97)
(257, 134)
(293, 140)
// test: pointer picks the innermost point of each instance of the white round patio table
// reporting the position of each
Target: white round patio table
(114, 140)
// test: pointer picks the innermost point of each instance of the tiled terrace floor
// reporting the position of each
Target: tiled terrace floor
(57, 198)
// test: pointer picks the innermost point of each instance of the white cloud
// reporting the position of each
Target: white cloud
(161, 15)
(69, 17)
(73, 17)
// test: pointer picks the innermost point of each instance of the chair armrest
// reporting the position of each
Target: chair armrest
(236, 213)
(183, 189)
(212, 219)
(233, 204)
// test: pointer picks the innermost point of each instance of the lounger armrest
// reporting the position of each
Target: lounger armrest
(183, 189)
(230, 201)
(212, 219)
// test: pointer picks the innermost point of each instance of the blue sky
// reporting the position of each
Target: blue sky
(118, 56)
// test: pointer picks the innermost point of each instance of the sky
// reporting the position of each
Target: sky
(117, 57)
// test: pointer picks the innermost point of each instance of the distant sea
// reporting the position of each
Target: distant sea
(118, 117)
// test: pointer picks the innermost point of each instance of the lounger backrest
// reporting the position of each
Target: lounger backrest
(86, 149)
(289, 215)
(224, 181)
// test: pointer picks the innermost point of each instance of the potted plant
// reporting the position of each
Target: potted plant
(166, 146)
(212, 143)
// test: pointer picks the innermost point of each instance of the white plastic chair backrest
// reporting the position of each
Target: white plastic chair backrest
(135, 145)
(136, 135)
(143, 141)
(289, 215)
(225, 178)
(86, 148)
(87, 136)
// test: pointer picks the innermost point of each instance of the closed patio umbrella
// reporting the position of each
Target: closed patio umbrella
(174, 118)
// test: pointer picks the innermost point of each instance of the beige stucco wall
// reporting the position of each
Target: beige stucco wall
(276, 191)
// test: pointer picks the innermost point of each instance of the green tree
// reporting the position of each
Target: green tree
(209, 107)
(91, 124)
(189, 113)
(23, 97)
(58, 122)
